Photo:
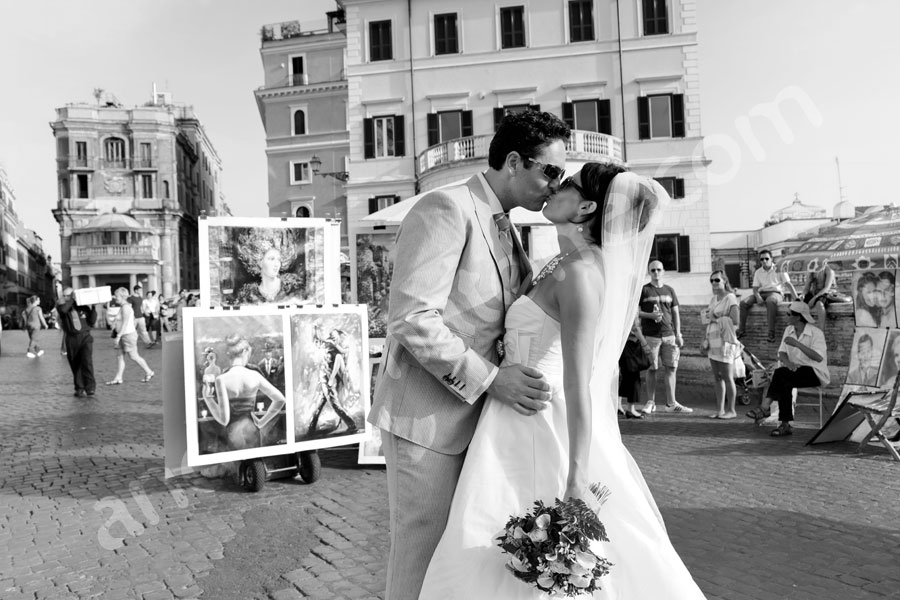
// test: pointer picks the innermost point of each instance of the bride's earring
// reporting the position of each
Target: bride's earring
(580, 228)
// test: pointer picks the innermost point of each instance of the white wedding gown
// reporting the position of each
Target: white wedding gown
(514, 460)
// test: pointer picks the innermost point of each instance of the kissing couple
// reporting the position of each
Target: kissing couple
(470, 439)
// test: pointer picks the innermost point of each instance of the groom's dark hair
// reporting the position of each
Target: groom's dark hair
(526, 132)
(595, 180)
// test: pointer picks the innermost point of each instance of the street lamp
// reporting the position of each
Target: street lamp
(316, 163)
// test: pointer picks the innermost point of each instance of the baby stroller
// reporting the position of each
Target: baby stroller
(756, 377)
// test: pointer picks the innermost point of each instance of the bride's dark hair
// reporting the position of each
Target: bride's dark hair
(595, 180)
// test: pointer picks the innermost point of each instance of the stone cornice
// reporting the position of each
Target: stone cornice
(302, 90)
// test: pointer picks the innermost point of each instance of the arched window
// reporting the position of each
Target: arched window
(302, 212)
(114, 152)
(299, 122)
(166, 192)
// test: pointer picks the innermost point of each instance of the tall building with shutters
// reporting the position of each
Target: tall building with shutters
(427, 83)
(303, 107)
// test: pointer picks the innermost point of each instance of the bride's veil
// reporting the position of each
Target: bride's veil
(631, 214)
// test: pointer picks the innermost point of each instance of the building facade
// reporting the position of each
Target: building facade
(24, 268)
(428, 84)
(133, 183)
(303, 107)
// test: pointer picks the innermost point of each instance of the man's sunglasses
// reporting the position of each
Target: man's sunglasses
(569, 182)
(715, 281)
(551, 172)
(765, 258)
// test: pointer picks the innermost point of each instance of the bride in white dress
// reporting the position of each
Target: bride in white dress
(572, 326)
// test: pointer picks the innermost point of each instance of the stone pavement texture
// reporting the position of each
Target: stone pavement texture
(85, 512)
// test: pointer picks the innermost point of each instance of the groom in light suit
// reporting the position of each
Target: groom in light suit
(459, 268)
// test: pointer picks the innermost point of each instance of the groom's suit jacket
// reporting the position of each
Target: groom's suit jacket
(449, 294)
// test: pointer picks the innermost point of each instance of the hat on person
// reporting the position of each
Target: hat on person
(802, 309)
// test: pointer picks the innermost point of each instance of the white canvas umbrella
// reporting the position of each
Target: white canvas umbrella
(394, 214)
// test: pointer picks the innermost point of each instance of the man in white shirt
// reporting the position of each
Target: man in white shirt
(804, 363)
(768, 289)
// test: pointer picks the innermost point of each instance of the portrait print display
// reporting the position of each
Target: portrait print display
(330, 385)
(372, 265)
(251, 261)
(866, 356)
(233, 410)
(874, 298)
(890, 364)
(370, 450)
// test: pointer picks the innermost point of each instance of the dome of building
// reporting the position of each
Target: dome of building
(797, 210)
(114, 222)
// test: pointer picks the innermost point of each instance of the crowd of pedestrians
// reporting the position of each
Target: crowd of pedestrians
(655, 342)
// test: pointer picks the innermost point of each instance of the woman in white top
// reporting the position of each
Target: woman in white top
(722, 346)
(126, 340)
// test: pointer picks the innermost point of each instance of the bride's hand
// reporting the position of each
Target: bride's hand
(523, 388)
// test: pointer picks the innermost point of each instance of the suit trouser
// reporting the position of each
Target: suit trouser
(421, 483)
(80, 354)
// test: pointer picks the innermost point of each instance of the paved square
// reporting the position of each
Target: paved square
(84, 512)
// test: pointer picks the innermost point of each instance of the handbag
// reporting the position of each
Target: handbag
(634, 358)
(732, 351)
(740, 369)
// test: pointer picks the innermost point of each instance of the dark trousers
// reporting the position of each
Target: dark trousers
(80, 353)
(629, 385)
(783, 383)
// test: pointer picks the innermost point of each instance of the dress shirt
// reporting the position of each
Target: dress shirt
(813, 338)
(769, 281)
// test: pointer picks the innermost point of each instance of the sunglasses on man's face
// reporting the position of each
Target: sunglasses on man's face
(765, 259)
(715, 281)
(656, 270)
(551, 172)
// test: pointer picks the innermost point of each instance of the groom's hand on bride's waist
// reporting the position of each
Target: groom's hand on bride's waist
(523, 388)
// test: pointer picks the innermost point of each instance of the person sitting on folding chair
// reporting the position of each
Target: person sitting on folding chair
(803, 362)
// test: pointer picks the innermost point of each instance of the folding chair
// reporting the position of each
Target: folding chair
(878, 414)
(820, 405)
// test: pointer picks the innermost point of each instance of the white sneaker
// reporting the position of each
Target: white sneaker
(30, 354)
(648, 408)
(40, 353)
(677, 408)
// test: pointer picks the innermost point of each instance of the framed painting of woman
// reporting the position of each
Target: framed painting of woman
(252, 261)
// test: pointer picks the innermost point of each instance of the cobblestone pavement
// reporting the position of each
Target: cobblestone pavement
(85, 513)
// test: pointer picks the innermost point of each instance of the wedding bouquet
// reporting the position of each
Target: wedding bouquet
(549, 546)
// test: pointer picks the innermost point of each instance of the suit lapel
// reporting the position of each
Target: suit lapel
(485, 219)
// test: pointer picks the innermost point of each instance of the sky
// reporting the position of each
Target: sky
(831, 63)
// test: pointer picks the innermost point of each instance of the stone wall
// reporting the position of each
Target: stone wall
(839, 328)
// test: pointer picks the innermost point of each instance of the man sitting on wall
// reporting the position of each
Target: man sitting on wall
(768, 289)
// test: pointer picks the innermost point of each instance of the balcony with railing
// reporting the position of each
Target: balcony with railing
(584, 145)
(112, 252)
(89, 164)
(145, 163)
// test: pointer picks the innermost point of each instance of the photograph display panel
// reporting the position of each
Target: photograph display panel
(370, 450)
(372, 266)
(874, 298)
(330, 385)
(890, 364)
(866, 356)
(251, 261)
(233, 409)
